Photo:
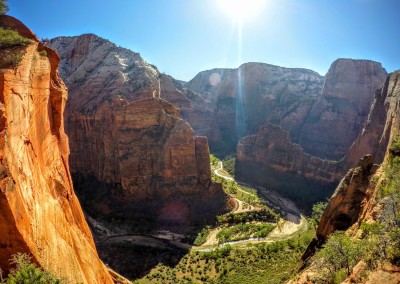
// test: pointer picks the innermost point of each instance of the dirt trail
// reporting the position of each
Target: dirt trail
(292, 223)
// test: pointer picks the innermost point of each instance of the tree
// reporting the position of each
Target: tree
(27, 272)
(3, 7)
(317, 211)
(340, 252)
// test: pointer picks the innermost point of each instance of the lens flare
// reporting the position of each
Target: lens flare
(215, 78)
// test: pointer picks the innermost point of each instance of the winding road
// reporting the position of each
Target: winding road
(291, 224)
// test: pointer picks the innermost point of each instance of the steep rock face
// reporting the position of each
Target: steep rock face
(324, 132)
(270, 158)
(148, 160)
(39, 212)
(245, 98)
(130, 151)
(356, 198)
(336, 119)
(382, 121)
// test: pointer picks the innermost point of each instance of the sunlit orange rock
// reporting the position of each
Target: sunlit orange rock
(39, 211)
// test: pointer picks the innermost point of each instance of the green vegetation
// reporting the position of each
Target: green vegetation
(202, 236)
(242, 193)
(379, 242)
(43, 53)
(213, 161)
(27, 272)
(11, 59)
(261, 263)
(229, 165)
(10, 38)
(263, 215)
(317, 210)
(3, 7)
(244, 231)
(340, 253)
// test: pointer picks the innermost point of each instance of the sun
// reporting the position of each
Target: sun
(240, 9)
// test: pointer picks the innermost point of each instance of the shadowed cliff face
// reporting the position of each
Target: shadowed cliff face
(243, 99)
(133, 159)
(354, 200)
(338, 116)
(272, 157)
(39, 212)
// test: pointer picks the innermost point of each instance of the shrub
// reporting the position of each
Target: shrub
(11, 59)
(3, 7)
(10, 38)
(340, 252)
(27, 272)
(202, 236)
(43, 53)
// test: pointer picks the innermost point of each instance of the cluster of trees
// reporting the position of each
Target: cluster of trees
(244, 231)
(25, 271)
(264, 215)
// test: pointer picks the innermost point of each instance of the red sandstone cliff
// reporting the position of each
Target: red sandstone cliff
(39, 212)
(337, 118)
(272, 157)
(357, 199)
(132, 157)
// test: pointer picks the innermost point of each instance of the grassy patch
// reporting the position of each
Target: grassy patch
(202, 236)
(261, 263)
(244, 231)
(229, 165)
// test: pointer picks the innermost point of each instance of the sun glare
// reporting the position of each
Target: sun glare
(241, 9)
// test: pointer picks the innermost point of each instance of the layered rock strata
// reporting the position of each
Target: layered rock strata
(356, 200)
(39, 211)
(290, 169)
(243, 99)
(271, 159)
(337, 118)
(132, 156)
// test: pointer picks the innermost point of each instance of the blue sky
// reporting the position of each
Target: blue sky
(184, 37)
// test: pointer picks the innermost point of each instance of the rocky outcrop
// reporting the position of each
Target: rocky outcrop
(338, 116)
(356, 199)
(271, 159)
(132, 157)
(297, 170)
(381, 125)
(243, 99)
(39, 211)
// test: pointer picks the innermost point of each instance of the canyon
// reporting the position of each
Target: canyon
(359, 199)
(133, 159)
(137, 160)
(227, 105)
(40, 214)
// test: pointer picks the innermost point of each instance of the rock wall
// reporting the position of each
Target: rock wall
(338, 116)
(39, 211)
(355, 199)
(271, 159)
(243, 99)
(326, 131)
(132, 157)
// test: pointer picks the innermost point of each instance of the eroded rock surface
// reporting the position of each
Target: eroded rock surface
(338, 116)
(39, 211)
(132, 157)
